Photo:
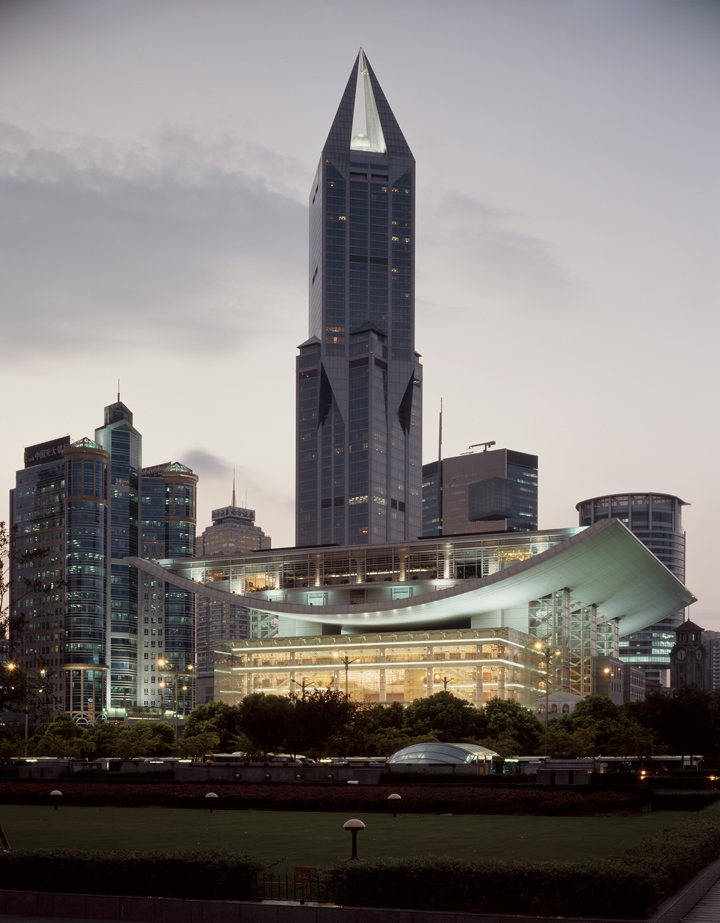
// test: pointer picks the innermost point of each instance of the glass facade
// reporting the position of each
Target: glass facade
(37, 515)
(475, 665)
(124, 445)
(167, 663)
(656, 519)
(101, 622)
(359, 402)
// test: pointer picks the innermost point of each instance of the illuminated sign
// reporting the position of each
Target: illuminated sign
(45, 452)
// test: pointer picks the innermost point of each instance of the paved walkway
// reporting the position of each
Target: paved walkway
(707, 909)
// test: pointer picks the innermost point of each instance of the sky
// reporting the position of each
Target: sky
(155, 165)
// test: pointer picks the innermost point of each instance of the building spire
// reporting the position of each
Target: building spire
(233, 499)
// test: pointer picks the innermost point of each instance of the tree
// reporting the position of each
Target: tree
(221, 718)
(318, 718)
(632, 739)
(265, 721)
(448, 717)
(199, 745)
(565, 743)
(506, 721)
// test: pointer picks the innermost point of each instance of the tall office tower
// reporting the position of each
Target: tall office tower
(167, 635)
(123, 444)
(86, 505)
(656, 519)
(490, 491)
(359, 398)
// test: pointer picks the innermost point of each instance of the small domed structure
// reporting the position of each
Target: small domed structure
(442, 754)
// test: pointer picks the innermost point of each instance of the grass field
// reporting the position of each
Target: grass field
(316, 839)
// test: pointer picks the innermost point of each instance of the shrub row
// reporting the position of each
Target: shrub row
(132, 778)
(629, 886)
(307, 797)
(445, 778)
(205, 875)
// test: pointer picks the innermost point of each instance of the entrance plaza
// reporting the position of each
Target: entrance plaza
(409, 618)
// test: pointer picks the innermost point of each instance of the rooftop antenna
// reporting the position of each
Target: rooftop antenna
(118, 390)
(233, 500)
(485, 444)
(440, 473)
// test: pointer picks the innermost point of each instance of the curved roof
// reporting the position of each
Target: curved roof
(604, 564)
(443, 754)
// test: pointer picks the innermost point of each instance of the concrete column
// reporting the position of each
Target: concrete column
(501, 682)
(383, 687)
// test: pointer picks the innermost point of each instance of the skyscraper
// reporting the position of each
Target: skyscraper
(359, 381)
(490, 491)
(99, 625)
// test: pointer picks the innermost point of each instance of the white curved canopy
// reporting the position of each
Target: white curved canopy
(605, 565)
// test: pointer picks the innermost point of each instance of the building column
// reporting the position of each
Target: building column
(383, 687)
(501, 681)
(479, 692)
(430, 673)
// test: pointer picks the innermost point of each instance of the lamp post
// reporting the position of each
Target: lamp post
(547, 653)
(394, 802)
(173, 668)
(41, 674)
(346, 662)
(354, 826)
(305, 684)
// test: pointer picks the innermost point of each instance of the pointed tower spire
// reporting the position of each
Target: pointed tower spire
(338, 141)
(373, 129)
(233, 500)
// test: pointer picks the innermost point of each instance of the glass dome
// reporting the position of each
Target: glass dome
(442, 753)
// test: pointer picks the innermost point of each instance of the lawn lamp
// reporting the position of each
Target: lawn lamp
(394, 802)
(354, 826)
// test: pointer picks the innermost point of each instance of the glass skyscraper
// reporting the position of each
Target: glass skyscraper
(656, 519)
(359, 381)
(96, 625)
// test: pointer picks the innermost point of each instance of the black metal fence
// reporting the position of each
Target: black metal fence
(302, 888)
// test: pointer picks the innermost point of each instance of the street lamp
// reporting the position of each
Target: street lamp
(354, 826)
(41, 674)
(173, 668)
(547, 652)
(393, 801)
(346, 661)
(305, 684)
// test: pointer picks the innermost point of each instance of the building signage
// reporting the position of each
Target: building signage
(45, 452)
(235, 512)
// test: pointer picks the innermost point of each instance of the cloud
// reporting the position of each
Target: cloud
(486, 249)
(207, 465)
(182, 243)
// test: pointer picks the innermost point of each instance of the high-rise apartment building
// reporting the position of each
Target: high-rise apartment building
(490, 491)
(359, 381)
(100, 625)
(656, 519)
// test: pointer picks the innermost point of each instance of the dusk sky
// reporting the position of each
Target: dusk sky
(155, 164)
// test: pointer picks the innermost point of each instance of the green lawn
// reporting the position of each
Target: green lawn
(316, 839)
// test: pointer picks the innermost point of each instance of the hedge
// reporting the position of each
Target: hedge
(419, 799)
(206, 875)
(629, 886)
